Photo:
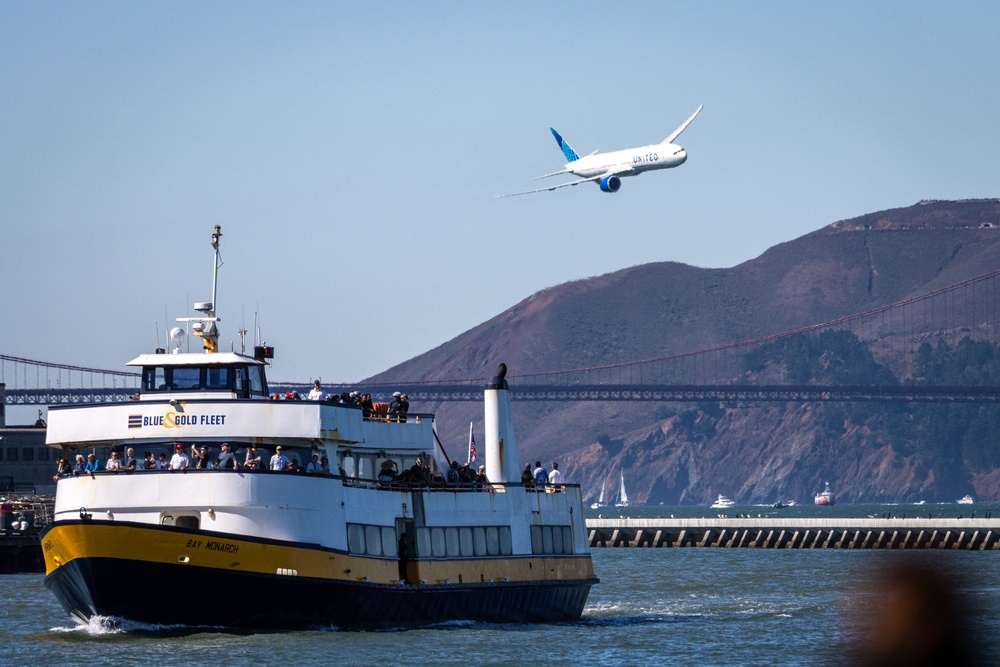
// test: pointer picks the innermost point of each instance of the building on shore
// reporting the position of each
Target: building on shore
(27, 464)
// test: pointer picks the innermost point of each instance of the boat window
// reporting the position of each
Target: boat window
(547, 539)
(479, 540)
(465, 541)
(506, 546)
(437, 543)
(557, 541)
(355, 538)
(451, 541)
(154, 378)
(492, 541)
(373, 541)
(423, 541)
(218, 377)
(389, 541)
(186, 378)
(258, 385)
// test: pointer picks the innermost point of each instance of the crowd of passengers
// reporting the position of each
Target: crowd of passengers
(200, 458)
(395, 410)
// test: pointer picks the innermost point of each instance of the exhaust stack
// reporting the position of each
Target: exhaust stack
(501, 446)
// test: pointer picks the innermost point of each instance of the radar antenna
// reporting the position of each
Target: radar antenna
(204, 327)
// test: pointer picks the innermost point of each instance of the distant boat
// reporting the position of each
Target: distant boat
(780, 504)
(965, 500)
(722, 503)
(825, 498)
(622, 496)
(600, 500)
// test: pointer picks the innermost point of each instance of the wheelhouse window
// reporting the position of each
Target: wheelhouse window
(244, 380)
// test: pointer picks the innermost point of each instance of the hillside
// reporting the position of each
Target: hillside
(680, 453)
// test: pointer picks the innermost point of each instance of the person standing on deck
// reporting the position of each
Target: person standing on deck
(541, 475)
(316, 394)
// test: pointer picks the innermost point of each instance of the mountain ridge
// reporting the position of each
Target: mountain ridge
(657, 309)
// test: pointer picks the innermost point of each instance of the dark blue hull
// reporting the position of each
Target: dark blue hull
(165, 594)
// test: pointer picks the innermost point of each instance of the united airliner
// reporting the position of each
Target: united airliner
(608, 169)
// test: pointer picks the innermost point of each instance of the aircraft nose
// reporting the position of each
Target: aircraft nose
(682, 156)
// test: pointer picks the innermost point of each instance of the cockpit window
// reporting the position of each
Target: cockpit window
(244, 380)
(218, 377)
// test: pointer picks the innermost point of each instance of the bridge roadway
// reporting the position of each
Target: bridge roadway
(812, 533)
(737, 395)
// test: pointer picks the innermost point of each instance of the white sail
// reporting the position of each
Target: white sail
(600, 500)
(622, 496)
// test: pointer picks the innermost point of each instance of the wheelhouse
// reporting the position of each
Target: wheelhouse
(232, 375)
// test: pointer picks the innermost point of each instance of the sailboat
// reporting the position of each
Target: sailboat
(622, 496)
(600, 500)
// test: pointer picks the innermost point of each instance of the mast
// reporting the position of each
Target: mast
(205, 327)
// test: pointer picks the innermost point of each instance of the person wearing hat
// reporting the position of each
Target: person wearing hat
(226, 459)
(179, 461)
(279, 461)
(387, 474)
(403, 407)
(394, 407)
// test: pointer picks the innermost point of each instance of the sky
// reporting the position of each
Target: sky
(352, 154)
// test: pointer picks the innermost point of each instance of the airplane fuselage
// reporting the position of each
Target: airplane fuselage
(629, 162)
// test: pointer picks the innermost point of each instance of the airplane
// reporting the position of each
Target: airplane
(609, 169)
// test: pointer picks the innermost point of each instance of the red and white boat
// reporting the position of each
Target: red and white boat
(825, 498)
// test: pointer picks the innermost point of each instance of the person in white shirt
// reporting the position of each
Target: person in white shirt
(316, 394)
(179, 461)
(556, 477)
(279, 461)
(114, 463)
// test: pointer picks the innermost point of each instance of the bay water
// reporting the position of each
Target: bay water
(708, 606)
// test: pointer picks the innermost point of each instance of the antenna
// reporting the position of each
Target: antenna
(204, 327)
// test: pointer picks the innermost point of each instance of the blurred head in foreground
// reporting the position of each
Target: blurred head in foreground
(919, 618)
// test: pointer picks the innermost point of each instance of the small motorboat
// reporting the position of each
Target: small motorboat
(722, 503)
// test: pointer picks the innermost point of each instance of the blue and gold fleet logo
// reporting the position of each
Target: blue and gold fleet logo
(175, 420)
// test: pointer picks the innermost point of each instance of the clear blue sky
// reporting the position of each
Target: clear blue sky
(351, 153)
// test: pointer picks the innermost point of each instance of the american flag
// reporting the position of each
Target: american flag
(472, 445)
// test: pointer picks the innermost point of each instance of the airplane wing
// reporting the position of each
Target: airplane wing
(554, 173)
(560, 185)
(599, 177)
(680, 129)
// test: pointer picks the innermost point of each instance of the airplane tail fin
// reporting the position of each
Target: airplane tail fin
(570, 154)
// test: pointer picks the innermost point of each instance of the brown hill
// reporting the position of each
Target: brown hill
(677, 453)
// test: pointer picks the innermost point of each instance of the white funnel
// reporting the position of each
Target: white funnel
(501, 446)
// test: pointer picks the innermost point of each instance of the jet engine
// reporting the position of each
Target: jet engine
(610, 184)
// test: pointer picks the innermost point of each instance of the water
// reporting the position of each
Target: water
(673, 606)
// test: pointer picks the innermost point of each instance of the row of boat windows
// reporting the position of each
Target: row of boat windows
(464, 541)
(244, 380)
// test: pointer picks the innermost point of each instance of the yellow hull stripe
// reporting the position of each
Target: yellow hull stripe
(66, 542)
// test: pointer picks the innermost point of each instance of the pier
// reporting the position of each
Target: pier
(812, 533)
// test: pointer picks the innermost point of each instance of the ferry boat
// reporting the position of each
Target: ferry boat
(253, 548)
(722, 502)
(965, 500)
(825, 498)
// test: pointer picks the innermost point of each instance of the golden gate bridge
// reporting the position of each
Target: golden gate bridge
(893, 333)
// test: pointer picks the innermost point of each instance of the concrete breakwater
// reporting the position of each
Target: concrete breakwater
(812, 533)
